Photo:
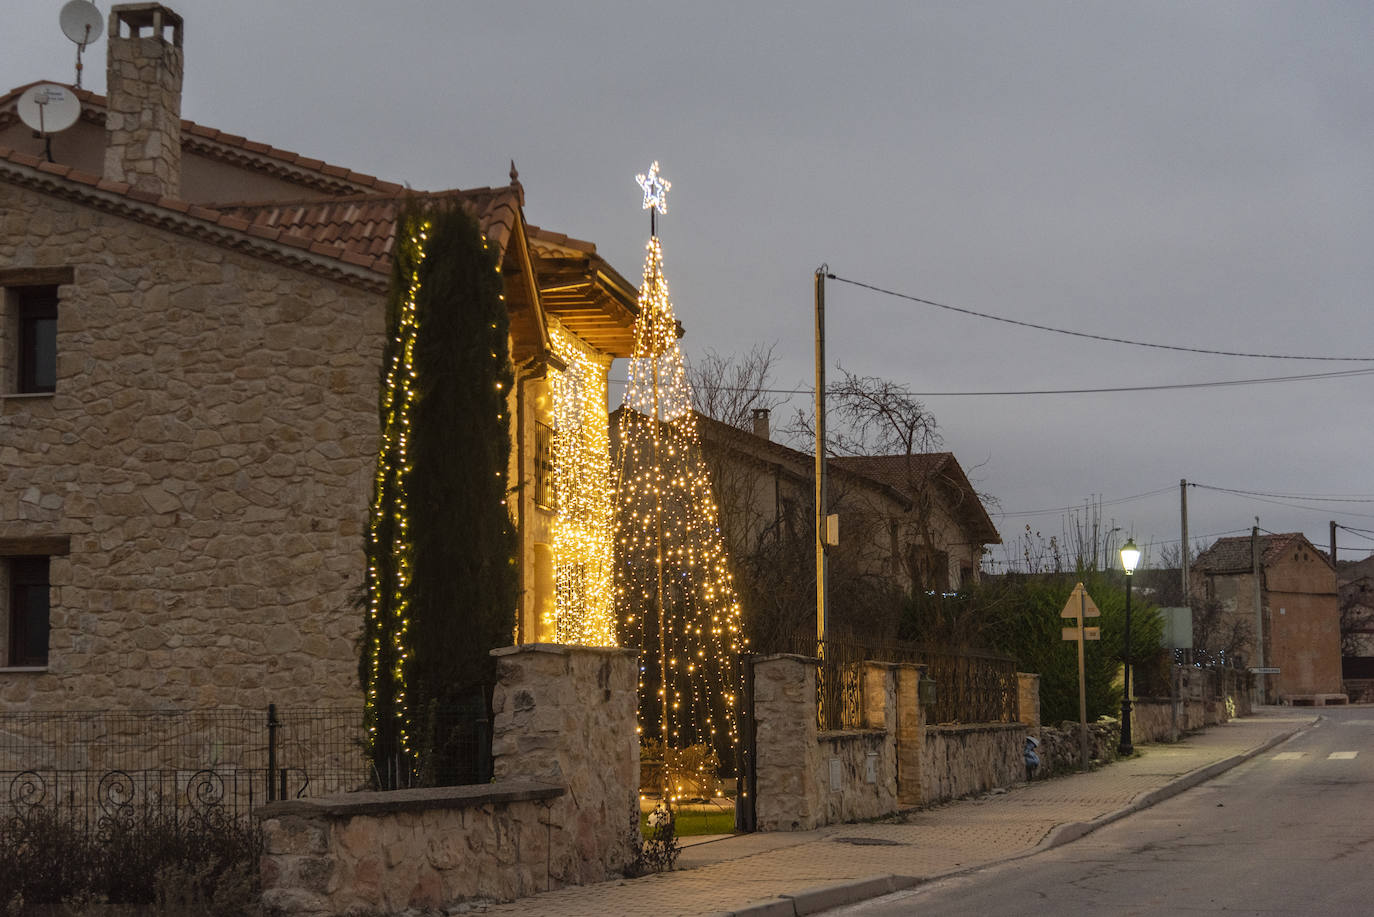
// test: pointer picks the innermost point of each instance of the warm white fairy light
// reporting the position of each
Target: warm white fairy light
(672, 565)
(582, 530)
(392, 476)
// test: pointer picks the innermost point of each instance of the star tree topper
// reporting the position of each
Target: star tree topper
(655, 189)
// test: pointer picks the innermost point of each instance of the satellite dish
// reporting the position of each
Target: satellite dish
(81, 21)
(49, 108)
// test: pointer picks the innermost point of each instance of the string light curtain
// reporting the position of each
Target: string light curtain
(675, 598)
(584, 612)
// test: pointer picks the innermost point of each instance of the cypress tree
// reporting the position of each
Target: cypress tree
(441, 547)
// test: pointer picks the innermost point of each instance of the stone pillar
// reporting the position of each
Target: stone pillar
(143, 88)
(786, 752)
(911, 734)
(567, 715)
(1028, 701)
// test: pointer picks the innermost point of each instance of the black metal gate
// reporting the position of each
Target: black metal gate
(746, 779)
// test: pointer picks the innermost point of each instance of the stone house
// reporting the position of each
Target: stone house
(905, 523)
(190, 353)
(1294, 601)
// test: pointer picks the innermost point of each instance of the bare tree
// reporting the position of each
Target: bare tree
(730, 389)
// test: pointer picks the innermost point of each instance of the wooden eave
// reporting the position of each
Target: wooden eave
(528, 322)
(591, 300)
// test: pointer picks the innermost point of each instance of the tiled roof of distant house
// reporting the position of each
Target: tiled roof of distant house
(1234, 554)
(902, 472)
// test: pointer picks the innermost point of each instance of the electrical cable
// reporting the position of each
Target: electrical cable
(1094, 337)
(1320, 498)
(1304, 377)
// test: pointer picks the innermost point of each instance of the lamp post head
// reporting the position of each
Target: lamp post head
(1130, 556)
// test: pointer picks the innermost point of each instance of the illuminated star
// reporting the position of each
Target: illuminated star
(655, 189)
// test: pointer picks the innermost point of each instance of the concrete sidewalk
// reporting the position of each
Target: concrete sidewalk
(805, 872)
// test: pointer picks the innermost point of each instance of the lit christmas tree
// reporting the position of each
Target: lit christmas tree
(674, 596)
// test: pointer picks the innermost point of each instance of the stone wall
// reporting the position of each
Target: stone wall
(1060, 750)
(562, 809)
(808, 779)
(961, 760)
(208, 451)
(568, 716)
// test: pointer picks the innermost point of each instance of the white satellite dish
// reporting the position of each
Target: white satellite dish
(49, 108)
(81, 21)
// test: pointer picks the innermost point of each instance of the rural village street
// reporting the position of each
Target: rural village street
(1286, 833)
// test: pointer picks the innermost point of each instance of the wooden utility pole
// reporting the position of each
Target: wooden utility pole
(1183, 542)
(1333, 542)
(1259, 609)
(821, 621)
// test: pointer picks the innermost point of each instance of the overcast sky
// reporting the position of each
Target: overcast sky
(1189, 174)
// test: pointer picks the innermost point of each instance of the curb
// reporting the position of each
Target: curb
(1072, 831)
(824, 898)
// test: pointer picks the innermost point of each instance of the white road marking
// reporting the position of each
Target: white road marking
(1289, 755)
(1341, 755)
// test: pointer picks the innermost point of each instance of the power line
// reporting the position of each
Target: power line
(1065, 509)
(1094, 337)
(1321, 498)
(1287, 503)
(1304, 377)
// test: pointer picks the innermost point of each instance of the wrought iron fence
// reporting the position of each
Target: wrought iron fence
(970, 686)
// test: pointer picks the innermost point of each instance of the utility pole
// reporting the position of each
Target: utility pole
(1259, 611)
(821, 622)
(1183, 516)
(1333, 543)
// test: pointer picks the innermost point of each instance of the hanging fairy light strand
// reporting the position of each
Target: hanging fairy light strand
(675, 596)
(583, 612)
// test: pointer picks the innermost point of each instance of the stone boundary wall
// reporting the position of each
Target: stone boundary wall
(1060, 752)
(562, 809)
(807, 779)
(1359, 690)
(961, 760)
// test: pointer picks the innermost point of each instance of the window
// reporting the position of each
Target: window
(28, 610)
(36, 355)
(544, 493)
(28, 328)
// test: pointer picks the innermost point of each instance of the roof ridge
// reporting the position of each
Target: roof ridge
(174, 210)
(360, 197)
(192, 129)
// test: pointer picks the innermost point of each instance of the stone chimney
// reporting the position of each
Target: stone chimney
(761, 423)
(143, 69)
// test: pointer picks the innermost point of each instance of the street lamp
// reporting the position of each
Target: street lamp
(1130, 556)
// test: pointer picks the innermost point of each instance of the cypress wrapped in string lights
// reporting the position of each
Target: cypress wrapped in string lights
(675, 597)
(441, 546)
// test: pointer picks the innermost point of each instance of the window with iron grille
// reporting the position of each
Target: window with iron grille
(545, 493)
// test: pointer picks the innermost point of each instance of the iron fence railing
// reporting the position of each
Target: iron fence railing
(969, 686)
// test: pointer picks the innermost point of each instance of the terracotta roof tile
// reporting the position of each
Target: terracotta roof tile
(365, 225)
(1233, 554)
(75, 182)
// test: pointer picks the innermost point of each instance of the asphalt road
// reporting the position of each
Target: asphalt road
(1288, 833)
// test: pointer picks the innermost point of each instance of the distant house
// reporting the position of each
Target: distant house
(905, 523)
(1298, 609)
(190, 356)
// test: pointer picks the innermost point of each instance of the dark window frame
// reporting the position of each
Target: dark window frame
(36, 351)
(30, 609)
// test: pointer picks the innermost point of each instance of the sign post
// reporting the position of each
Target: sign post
(1079, 607)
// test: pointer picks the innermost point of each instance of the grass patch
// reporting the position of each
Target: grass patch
(693, 821)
